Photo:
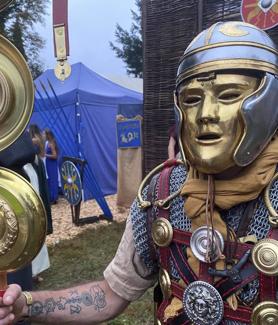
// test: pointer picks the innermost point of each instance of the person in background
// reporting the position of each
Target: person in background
(173, 148)
(41, 261)
(51, 161)
(39, 164)
(37, 139)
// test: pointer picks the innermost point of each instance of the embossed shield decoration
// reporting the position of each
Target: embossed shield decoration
(261, 13)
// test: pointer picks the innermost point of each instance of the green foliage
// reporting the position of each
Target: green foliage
(84, 259)
(131, 49)
(17, 23)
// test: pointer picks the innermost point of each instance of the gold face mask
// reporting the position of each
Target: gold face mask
(212, 126)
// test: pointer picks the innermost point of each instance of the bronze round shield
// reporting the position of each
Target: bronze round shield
(22, 221)
(16, 93)
(4, 4)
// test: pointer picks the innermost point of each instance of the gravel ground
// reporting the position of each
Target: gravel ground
(62, 220)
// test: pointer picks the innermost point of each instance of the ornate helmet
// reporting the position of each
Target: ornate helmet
(238, 46)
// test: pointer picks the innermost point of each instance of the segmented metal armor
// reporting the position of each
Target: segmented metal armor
(259, 227)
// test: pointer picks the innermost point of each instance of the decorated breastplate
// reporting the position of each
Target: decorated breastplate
(162, 235)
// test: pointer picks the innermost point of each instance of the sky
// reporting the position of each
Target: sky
(92, 25)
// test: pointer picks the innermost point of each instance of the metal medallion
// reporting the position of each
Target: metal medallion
(265, 256)
(199, 242)
(71, 182)
(203, 304)
(165, 283)
(162, 232)
(62, 70)
(265, 313)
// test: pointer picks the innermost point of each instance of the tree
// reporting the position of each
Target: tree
(17, 23)
(131, 50)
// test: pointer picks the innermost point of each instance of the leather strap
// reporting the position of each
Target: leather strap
(203, 272)
(164, 189)
(181, 263)
(242, 314)
(151, 216)
(267, 287)
(164, 192)
(268, 284)
(273, 234)
(227, 287)
(183, 237)
(246, 219)
(60, 18)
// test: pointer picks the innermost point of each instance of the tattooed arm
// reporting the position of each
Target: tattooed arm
(91, 303)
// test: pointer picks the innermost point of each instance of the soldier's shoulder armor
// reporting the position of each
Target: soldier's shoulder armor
(139, 216)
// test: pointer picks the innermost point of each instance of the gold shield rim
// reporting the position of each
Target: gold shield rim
(18, 86)
(29, 212)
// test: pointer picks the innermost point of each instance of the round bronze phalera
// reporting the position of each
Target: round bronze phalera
(16, 93)
(162, 232)
(165, 283)
(265, 313)
(265, 256)
(4, 4)
(22, 221)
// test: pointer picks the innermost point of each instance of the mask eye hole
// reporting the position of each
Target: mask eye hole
(192, 100)
(229, 96)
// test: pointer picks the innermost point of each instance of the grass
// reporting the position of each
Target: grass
(83, 259)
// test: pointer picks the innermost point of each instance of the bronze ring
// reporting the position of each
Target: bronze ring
(143, 204)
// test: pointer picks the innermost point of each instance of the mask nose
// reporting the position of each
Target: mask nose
(208, 111)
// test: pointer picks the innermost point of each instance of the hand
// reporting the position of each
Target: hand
(11, 305)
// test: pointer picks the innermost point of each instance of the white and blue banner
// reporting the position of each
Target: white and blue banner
(129, 134)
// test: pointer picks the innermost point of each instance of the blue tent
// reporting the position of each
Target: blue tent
(82, 113)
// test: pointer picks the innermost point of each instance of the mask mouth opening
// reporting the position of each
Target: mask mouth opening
(207, 136)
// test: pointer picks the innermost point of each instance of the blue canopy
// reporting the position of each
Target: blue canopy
(81, 111)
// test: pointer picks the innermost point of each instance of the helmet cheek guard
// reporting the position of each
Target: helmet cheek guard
(260, 114)
(179, 125)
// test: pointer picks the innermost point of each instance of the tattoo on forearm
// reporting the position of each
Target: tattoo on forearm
(95, 297)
